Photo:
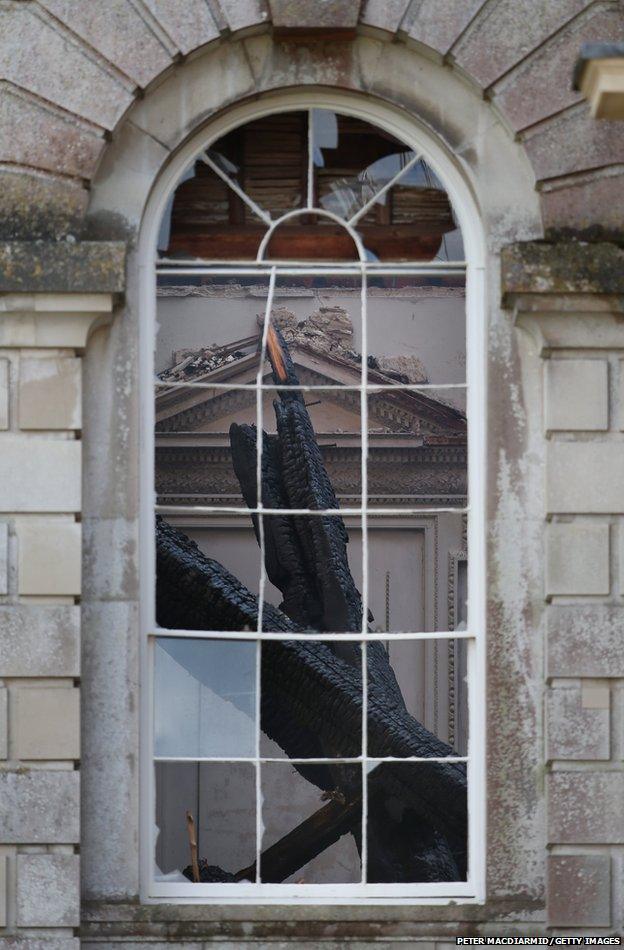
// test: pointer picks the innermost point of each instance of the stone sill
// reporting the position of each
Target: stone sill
(62, 267)
(537, 267)
(210, 921)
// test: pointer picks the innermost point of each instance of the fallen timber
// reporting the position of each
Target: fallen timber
(311, 692)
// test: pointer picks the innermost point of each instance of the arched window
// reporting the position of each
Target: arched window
(312, 622)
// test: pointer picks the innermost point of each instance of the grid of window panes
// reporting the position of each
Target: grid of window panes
(309, 658)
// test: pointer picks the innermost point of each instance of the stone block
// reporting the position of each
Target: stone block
(35, 55)
(118, 32)
(585, 640)
(48, 890)
(290, 15)
(110, 550)
(576, 395)
(507, 32)
(244, 14)
(533, 91)
(571, 142)
(4, 393)
(40, 807)
(580, 203)
(577, 726)
(386, 16)
(4, 722)
(49, 558)
(35, 135)
(585, 807)
(3, 890)
(584, 478)
(37, 207)
(40, 475)
(621, 395)
(424, 23)
(190, 25)
(579, 890)
(577, 559)
(50, 394)
(80, 276)
(39, 641)
(4, 557)
(43, 943)
(45, 723)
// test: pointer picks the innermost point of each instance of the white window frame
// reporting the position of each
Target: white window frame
(448, 169)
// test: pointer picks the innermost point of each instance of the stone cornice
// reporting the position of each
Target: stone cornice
(62, 267)
(537, 267)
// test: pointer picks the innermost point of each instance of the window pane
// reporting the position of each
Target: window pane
(311, 703)
(417, 448)
(417, 698)
(417, 822)
(353, 160)
(416, 329)
(204, 698)
(221, 799)
(206, 219)
(207, 574)
(411, 571)
(324, 831)
(207, 328)
(268, 158)
(313, 568)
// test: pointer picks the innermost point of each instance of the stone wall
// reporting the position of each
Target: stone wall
(96, 98)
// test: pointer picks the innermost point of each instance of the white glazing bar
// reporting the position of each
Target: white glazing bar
(364, 501)
(217, 268)
(382, 191)
(337, 761)
(321, 513)
(310, 179)
(270, 387)
(262, 579)
(249, 636)
(257, 210)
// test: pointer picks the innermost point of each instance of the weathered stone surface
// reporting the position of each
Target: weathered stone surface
(244, 14)
(577, 559)
(585, 807)
(37, 206)
(579, 890)
(4, 722)
(576, 395)
(3, 890)
(50, 393)
(507, 31)
(48, 890)
(537, 267)
(44, 943)
(587, 205)
(62, 267)
(40, 475)
(574, 730)
(534, 90)
(585, 640)
(190, 25)
(38, 57)
(572, 142)
(39, 807)
(585, 477)
(36, 135)
(292, 15)
(117, 31)
(4, 557)
(110, 741)
(424, 23)
(111, 554)
(39, 641)
(384, 16)
(5, 369)
(49, 557)
(45, 723)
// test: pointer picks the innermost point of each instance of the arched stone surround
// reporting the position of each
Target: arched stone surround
(500, 182)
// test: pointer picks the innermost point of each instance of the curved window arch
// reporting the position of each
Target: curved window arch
(309, 724)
